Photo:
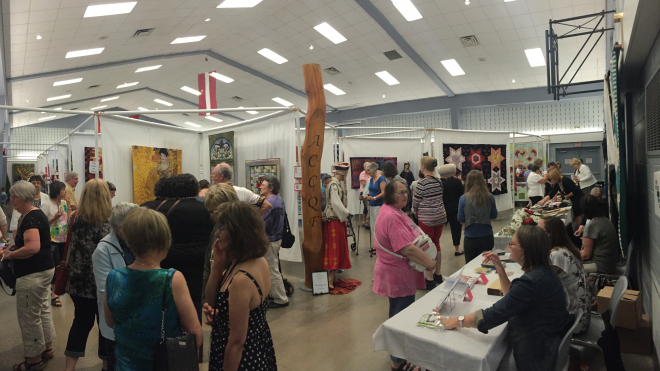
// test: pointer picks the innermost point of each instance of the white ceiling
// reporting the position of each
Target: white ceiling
(504, 30)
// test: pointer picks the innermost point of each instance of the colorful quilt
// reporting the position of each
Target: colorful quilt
(489, 159)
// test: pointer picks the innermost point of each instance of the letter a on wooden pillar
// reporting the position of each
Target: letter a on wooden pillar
(311, 152)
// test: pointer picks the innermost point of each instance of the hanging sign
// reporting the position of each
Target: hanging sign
(297, 172)
(93, 167)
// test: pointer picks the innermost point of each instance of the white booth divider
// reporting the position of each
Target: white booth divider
(77, 144)
(405, 150)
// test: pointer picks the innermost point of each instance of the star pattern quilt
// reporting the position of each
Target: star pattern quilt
(489, 159)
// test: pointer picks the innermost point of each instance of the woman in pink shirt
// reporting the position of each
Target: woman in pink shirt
(364, 179)
(393, 277)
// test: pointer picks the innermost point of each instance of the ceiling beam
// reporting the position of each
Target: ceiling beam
(403, 44)
(209, 53)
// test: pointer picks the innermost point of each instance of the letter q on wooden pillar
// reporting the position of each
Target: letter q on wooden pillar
(312, 150)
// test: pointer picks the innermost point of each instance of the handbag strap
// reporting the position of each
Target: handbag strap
(384, 249)
(170, 209)
(163, 307)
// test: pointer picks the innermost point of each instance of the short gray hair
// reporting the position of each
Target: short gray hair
(70, 176)
(372, 166)
(225, 170)
(23, 191)
(119, 213)
(596, 191)
(366, 165)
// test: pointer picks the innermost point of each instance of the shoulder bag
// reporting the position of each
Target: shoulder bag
(288, 239)
(177, 353)
(423, 242)
(7, 276)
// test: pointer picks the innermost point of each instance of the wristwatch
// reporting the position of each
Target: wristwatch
(460, 320)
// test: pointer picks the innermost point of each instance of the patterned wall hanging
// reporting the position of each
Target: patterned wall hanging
(357, 167)
(221, 149)
(489, 159)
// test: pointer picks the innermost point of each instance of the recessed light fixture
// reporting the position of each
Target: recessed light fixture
(125, 85)
(191, 90)
(109, 9)
(330, 33)
(220, 77)
(193, 125)
(272, 56)
(162, 102)
(407, 9)
(58, 97)
(467, 2)
(452, 67)
(213, 118)
(207, 19)
(333, 89)
(84, 53)
(28, 101)
(39, 37)
(142, 69)
(535, 57)
(189, 39)
(97, 108)
(66, 82)
(311, 47)
(507, 1)
(46, 118)
(282, 102)
(513, 81)
(109, 99)
(238, 3)
(389, 79)
(383, 95)
(143, 109)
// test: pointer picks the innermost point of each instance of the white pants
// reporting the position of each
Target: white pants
(276, 284)
(33, 310)
(373, 215)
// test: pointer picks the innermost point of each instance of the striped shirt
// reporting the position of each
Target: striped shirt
(428, 202)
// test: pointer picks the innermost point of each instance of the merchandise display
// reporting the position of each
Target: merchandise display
(489, 159)
(257, 170)
(149, 165)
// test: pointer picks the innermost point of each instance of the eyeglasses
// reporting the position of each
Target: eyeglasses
(511, 244)
(402, 193)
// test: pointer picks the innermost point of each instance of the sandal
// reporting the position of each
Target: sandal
(24, 366)
(56, 302)
(48, 354)
(406, 366)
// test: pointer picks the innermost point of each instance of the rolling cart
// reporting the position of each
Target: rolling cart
(350, 232)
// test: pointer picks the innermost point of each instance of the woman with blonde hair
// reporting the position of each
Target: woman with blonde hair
(583, 175)
(566, 187)
(90, 226)
(476, 209)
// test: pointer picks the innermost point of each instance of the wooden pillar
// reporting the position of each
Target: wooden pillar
(312, 150)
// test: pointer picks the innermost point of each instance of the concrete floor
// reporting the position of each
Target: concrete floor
(328, 332)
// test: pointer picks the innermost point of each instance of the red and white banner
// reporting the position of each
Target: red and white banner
(207, 88)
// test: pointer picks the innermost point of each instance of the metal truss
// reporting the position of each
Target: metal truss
(557, 86)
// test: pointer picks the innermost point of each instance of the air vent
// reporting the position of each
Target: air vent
(469, 41)
(237, 98)
(653, 116)
(143, 32)
(93, 86)
(392, 55)
(73, 109)
(332, 71)
(185, 114)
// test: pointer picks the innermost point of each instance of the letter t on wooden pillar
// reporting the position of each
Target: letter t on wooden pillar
(311, 152)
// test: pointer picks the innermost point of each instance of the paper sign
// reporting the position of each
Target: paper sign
(468, 295)
(320, 283)
(483, 278)
(589, 160)
(656, 192)
(297, 172)
(297, 187)
(93, 167)
(567, 161)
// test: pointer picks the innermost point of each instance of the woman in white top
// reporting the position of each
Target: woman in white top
(536, 184)
(584, 175)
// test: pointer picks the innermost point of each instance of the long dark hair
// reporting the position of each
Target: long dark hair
(535, 243)
(558, 235)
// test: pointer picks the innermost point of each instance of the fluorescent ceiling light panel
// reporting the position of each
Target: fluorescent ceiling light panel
(109, 9)
(66, 82)
(109, 99)
(125, 85)
(143, 109)
(58, 97)
(84, 53)
(273, 56)
(213, 118)
(96, 108)
(26, 157)
(142, 69)
(222, 78)
(162, 102)
(46, 118)
(333, 35)
(193, 125)
(333, 89)
(407, 9)
(191, 90)
(282, 102)
(389, 79)
(506, 1)
(535, 57)
(189, 39)
(238, 3)
(58, 108)
(253, 112)
(452, 67)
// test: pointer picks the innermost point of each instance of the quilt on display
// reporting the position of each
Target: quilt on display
(489, 159)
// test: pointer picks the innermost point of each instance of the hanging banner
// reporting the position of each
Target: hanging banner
(221, 148)
(206, 85)
(618, 130)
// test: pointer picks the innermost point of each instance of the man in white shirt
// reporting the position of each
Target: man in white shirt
(222, 173)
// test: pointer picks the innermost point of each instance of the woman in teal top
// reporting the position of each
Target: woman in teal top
(134, 294)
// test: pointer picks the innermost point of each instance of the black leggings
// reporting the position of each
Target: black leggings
(86, 310)
(475, 246)
(456, 226)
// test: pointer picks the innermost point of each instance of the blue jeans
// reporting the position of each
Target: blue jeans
(397, 305)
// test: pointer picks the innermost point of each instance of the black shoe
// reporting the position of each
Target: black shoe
(437, 278)
(367, 227)
(430, 285)
(458, 253)
(273, 304)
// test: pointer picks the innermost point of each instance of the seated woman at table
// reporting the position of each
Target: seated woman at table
(476, 209)
(600, 241)
(566, 187)
(534, 304)
(395, 234)
(566, 261)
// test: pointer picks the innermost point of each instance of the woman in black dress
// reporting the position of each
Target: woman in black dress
(410, 178)
(453, 190)
(569, 190)
(191, 226)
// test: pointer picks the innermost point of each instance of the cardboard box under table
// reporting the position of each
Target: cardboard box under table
(636, 341)
(630, 307)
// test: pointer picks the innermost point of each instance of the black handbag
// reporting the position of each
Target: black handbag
(288, 239)
(177, 353)
(7, 276)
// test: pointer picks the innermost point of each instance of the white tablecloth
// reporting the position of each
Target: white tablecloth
(460, 349)
(501, 242)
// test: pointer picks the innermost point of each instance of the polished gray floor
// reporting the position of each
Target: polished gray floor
(327, 332)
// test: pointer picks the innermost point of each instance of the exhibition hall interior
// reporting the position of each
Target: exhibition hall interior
(291, 185)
